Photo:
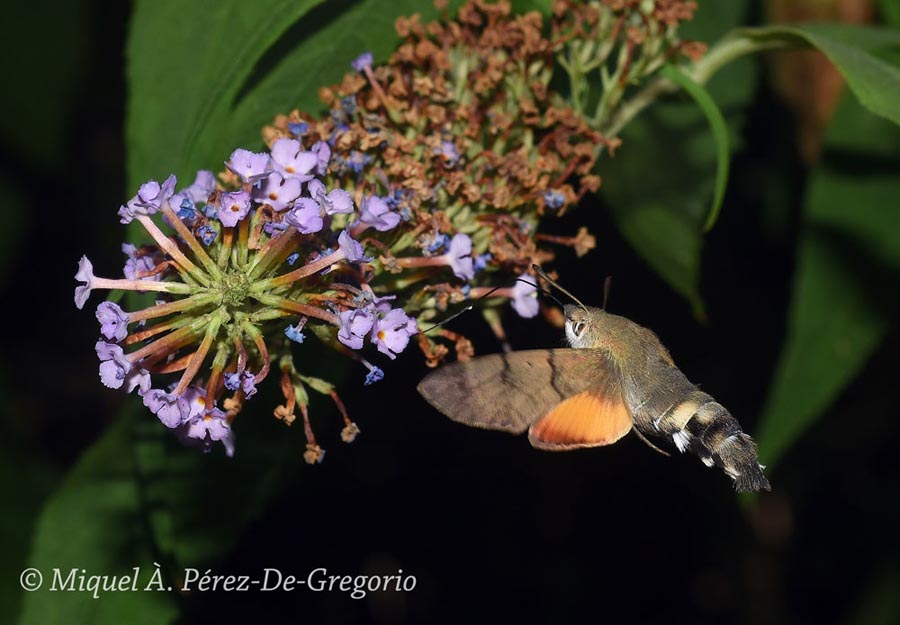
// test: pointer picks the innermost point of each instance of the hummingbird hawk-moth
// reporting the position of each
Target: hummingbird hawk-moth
(615, 377)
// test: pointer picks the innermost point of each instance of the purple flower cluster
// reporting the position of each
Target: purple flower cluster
(233, 270)
(288, 242)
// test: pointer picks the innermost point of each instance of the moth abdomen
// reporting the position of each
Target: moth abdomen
(704, 426)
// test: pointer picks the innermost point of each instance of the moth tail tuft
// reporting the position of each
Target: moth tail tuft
(752, 480)
(738, 456)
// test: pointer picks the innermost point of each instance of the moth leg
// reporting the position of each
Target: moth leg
(649, 444)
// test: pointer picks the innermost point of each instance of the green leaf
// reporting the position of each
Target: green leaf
(658, 184)
(94, 521)
(186, 63)
(874, 81)
(200, 503)
(48, 80)
(319, 59)
(720, 136)
(849, 254)
(26, 479)
(880, 602)
(890, 10)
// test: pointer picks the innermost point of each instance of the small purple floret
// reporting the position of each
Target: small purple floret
(203, 185)
(376, 213)
(363, 61)
(355, 324)
(278, 191)
(84, 274)
(353, 250)
(448, 151)
(554, 200)
(248, 384)
(232, 381)
(114, 366)
(292, 161)
(150, 198)
(298, 129)
(306, 216)
(249, 166)
(294, 334)
(335, 202)
(171, 409)
(113, 321)
(116, 370)
(481, 261)
(233, 207)
(375, 375)
(524, 299)
(207, 234)
(391, 333)
(437, 244)
(323, 153)
(212, 425)
(140, 264)
(459, 257)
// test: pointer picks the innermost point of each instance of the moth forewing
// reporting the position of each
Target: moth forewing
(616, 376)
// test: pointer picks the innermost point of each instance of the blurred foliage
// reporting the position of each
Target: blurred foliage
(664, 220)
(49, 101)
(849, 248)
(188, 115)
(874, 81)
(96, 521)
(205, 76)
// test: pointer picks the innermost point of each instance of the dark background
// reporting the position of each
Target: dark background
(493, 530)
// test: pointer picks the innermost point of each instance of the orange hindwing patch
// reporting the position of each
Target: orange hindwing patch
(583, 420)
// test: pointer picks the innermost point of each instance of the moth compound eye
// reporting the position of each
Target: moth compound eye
(578, 328)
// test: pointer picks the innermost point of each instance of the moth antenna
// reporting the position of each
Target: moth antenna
(448, 319)
(460, 312)
(543, 274)
(607, 286)
(649, 444)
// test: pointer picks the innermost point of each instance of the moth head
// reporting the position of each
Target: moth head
(582, 324)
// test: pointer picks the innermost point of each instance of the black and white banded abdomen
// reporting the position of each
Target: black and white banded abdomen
(698, 423)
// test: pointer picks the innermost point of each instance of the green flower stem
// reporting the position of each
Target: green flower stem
(172, 341)
(161, 310)
(269, 314)
(733, 46)
(225, 249)
(613, 88)
(258, 340)
(297, 307)
(220, 360)
(298, 274)
(409, 279)
(199, 356)
(158, 328)
(273, 253)
(188, 237)
(243, 249)
(730, 48)
(169, 247)
(141, 285)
